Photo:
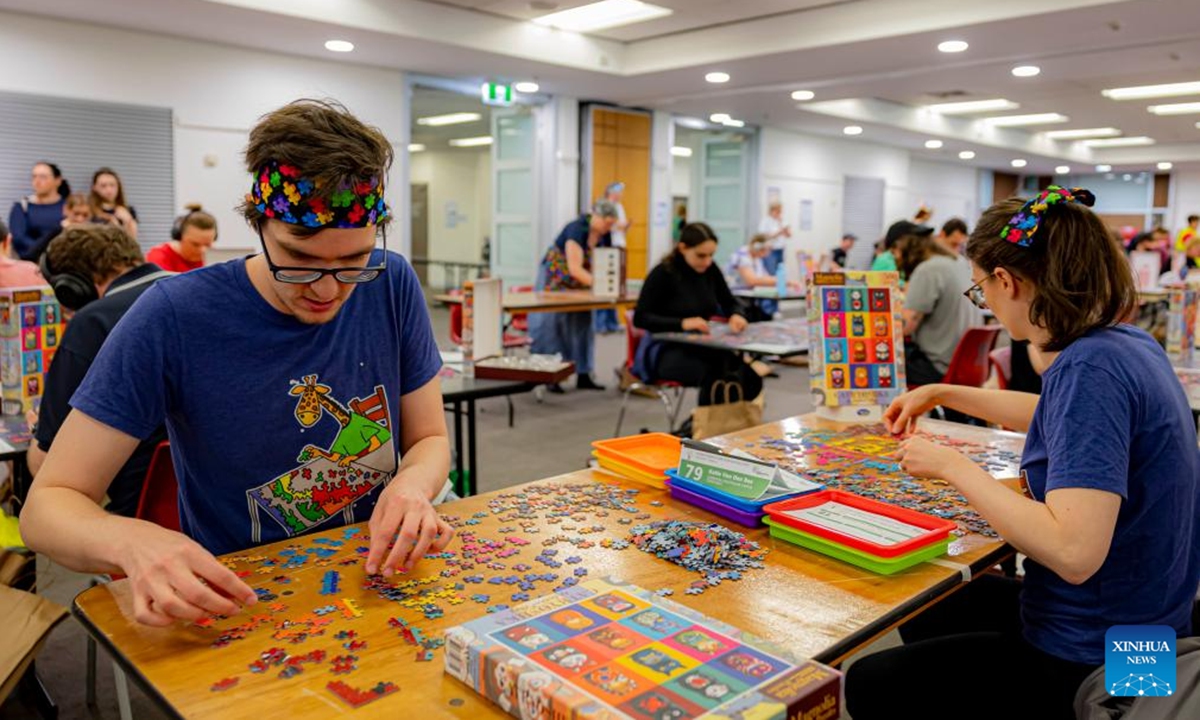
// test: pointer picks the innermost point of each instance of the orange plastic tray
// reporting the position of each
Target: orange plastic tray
(630, 473)
(653, 453)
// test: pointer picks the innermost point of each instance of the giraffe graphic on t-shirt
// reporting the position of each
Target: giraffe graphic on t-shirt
(359, 436)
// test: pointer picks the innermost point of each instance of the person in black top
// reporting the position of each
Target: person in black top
(682, 293)
(105, 274)
(839, 253)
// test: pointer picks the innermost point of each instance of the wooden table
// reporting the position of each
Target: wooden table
(814, 605)
(784, 338)
(557, 301)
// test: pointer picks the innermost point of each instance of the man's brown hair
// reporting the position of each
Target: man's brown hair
(92, 250)
(328, 145)
(1081, 278)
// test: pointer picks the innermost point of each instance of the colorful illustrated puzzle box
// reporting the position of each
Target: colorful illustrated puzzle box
(604, 650)
(31, 328)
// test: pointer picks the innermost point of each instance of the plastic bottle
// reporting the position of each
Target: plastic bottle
(781, 285)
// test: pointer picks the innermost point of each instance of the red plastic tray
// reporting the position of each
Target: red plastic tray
(936, 528)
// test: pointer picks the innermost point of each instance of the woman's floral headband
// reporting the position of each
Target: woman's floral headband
(280, 193)
(1021, 228)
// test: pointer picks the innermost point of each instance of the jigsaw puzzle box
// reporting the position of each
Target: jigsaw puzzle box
(31, 328)
(603, 650)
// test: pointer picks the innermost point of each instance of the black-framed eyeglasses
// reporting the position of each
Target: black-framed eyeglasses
(975, 293)
(307, 275)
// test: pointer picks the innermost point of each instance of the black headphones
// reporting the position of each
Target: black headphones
(72, 289)
(181, 221)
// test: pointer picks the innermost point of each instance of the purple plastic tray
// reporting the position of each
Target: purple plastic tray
(742, 518)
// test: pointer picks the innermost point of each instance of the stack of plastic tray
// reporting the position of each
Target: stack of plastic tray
(886, 540)
(644, 458)
(740, 510)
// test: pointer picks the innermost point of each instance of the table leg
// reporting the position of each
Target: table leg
(460, 482)
(472, 483)
(36, 694)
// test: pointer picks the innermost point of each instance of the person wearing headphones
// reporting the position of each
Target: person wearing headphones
(191, 237)
(97, 271)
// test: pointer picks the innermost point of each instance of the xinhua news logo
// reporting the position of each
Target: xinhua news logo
(1139, 660)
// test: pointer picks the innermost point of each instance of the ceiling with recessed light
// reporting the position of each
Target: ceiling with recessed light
(869, 63)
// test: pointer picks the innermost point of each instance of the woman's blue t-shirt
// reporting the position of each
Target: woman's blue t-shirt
(1112, 416)
(277, 428)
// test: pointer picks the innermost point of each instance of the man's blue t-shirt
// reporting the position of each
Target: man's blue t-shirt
(1112, 416)
(276, 427)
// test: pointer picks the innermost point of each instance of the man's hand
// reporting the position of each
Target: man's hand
(405, 510)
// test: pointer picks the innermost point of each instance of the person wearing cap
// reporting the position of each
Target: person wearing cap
(887, 259)
(605, 321)
(301, 395)
(567, 265)
(842, 252)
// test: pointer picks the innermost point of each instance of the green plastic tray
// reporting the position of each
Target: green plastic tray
(863, 560)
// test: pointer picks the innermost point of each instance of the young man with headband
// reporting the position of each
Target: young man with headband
(288, 394)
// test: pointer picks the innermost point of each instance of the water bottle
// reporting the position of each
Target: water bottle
(781, 285)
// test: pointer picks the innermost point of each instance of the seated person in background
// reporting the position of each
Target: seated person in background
(108, 202)
(567, 265)
(954, 235)
(681, 293)
(76, 211)
(748, 270)
(887, 259)
(936, 314)
(841, 252)
(191, 237)
(316, 354)
(13, 272)
(107, 266)
(1142, 242)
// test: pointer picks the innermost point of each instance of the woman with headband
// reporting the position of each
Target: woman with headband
(1109, 470)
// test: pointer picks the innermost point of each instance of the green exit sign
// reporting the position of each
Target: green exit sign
(496, 94)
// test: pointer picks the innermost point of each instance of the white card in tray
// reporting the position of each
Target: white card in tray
(858, 524)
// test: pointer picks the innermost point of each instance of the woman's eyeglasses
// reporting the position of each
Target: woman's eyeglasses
(306, 275)
(975, 293)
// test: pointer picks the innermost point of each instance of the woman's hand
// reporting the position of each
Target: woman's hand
(737, 324)
(901, 416)
(921, 458)
(695, 324)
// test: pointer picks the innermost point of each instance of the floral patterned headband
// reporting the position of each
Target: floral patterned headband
(280, 193)
(1021, 228)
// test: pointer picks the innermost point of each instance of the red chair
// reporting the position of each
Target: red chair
(509, 341)
(669, 392)
(1002, 363)
(520, 321)
(969, 365)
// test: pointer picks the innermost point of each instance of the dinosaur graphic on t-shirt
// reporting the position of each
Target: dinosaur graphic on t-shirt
(331, 476)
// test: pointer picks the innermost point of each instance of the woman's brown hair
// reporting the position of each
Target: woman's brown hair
(1081, 278)
(916, 249)
(692, 235)
(196, 217)
(325, 142)
(96, 201)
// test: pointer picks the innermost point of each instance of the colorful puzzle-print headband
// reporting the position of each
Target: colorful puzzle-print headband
(280, 193)
(1021, 228)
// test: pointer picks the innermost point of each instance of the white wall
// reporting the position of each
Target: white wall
(681, 177)
(216, 92)
(1185, 191)
(463, 178)
(952, 190)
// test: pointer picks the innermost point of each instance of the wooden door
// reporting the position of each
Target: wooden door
(621, 153)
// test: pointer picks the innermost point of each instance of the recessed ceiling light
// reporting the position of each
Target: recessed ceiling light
(802, 95)
(416, 147)
(966, 155)
(1019, 163)
(952, 46)
(1142, 92)
(1022, 120)
(472, 141)
(449, 119)
(603, 15)
(852, 130)
(933, 144)
(1119, 142)
(339, 45)
(717, 77)
(1081, 133)
(678, 151)
(1175, 108)
(1026, 71)
(719, 117)
(1164, 166)
(972, 106)
(1127, 177)
(528, 87)
(1103, 168)
(1062, 170)
(734, 123)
